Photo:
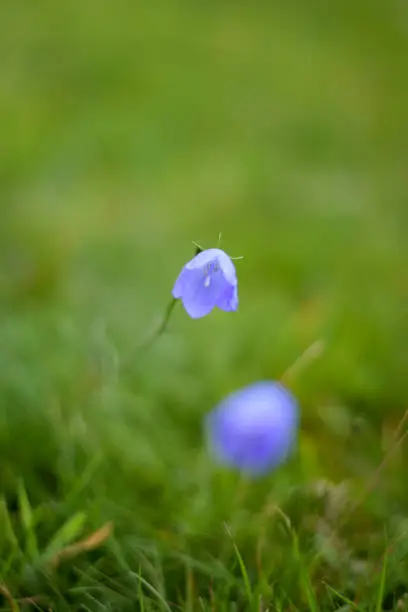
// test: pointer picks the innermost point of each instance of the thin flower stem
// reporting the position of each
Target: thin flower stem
(314, 351)
(151, 339)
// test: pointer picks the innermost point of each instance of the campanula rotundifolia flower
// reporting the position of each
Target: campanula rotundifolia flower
(209, 280)
(254, 429)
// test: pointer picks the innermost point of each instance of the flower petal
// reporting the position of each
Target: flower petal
(229, 300)
(180, 283)
(227, 267)
(211, 255)
(201, 292)
(254, 428)
(202, 259)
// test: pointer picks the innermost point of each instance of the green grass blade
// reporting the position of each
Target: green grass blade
(381, 590)
(344, 599)
(140, 593)
(304, 574)
(154, 592)
(241, 563)
(7, 533)
(68, 533)
(244, 572)
(27, 520)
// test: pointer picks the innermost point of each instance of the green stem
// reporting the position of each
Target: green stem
(150, 340)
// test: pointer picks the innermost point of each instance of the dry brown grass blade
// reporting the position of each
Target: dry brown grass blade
(34, 600)
(90, 543)
(397, 441)
(7, 595)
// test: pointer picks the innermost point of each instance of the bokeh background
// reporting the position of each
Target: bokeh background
(129, 129)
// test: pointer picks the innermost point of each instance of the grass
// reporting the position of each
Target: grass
(128, 131)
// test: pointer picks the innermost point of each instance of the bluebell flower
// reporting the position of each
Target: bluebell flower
(208, 280)
(254, 428)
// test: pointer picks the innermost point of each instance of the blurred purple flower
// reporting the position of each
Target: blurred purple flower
(254, 428)
(208, 280)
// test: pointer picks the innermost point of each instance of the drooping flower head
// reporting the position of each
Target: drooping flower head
(208, 280)
(254, 428)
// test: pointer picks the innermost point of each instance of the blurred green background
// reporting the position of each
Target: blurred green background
(129, 129)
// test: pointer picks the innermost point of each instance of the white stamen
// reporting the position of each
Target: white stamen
(207, 281)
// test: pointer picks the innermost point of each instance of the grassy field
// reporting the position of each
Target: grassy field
(127, 131)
